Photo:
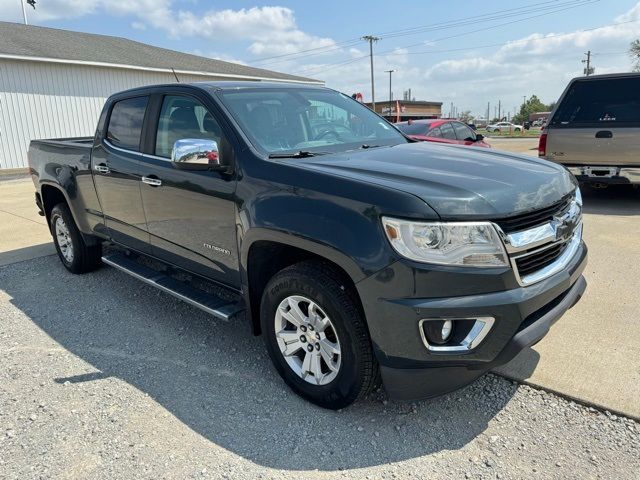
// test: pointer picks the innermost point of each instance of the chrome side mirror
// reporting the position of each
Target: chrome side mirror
(196, 154)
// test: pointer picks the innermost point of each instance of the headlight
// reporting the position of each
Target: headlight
(474, 244)
(578, 196)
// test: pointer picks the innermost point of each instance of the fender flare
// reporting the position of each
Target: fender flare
(257, 234)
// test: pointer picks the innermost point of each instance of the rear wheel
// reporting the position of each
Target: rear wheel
(316, 336)
(74, 253)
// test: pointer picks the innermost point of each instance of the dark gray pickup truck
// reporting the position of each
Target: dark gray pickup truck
(357, 253)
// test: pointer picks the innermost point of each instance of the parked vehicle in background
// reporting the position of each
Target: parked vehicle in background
(595, 129)
(442, 131)
(504, 127)
(357, 253)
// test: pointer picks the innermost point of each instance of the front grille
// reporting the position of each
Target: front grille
(535, 261)
(532, 219)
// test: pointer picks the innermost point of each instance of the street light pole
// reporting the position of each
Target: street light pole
(371, 39)
(390, 91)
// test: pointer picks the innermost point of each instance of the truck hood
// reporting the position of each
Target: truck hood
(455, 181)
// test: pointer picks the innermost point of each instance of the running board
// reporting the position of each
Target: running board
(210, 303)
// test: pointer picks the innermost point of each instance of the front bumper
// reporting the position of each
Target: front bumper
(397, 298)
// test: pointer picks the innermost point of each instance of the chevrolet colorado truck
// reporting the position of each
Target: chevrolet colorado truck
(360, 255)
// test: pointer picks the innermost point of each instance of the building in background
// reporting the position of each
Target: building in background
(409, 109)
(53, 83)
(539, 116)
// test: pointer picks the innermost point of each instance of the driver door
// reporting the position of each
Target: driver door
(190, 212)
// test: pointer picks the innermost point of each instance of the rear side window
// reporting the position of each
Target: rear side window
(413, 128)
(608, 102)
(125, 123)
(435, 132)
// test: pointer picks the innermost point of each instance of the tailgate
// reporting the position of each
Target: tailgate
(594, 146)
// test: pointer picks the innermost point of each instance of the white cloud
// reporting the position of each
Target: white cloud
(540, 63)
(270, 30)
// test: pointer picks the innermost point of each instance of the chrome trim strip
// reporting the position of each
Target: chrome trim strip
(560, 264)
(544, 234)
(132, 152)
(124, 150)
(476, 335)
(531, 238)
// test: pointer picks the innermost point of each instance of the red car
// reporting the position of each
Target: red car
(442, 130)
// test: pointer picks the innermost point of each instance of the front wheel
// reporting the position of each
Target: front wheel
(316, 335)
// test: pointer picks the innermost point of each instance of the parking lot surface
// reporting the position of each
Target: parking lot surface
(104, 377)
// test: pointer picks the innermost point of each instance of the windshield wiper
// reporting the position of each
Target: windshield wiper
(298, 154)
(366, 145)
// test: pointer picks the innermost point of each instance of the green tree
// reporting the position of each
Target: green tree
(466, 117)
(532, 105)
(634, 53)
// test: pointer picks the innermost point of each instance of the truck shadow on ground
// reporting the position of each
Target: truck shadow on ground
(613, 200)
(217, 379)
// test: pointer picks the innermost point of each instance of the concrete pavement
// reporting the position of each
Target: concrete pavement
(592, 354)
(23, 233)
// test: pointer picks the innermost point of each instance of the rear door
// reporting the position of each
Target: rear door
(115, 161)
(190, 213)
(597, 122)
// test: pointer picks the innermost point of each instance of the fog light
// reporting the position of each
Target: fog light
(438, 331)
(447, 328)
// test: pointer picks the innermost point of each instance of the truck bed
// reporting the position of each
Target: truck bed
(70, 142)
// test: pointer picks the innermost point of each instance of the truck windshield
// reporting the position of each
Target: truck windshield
(279, 120)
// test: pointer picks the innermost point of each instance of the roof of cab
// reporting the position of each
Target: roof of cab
(219, 86)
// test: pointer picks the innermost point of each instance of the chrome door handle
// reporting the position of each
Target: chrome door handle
(154, 182)
(101, 168)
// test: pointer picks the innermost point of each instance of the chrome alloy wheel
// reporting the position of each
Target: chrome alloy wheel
(307, 340)
(64, 239)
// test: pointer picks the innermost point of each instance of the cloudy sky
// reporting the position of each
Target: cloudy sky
(462, 51)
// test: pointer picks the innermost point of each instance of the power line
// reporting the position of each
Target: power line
(552, 8)
(330, 66)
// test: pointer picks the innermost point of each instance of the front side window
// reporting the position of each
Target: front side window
(463, 132)
(184, 118)
(447, 131)
(125, 123)
(317, 120)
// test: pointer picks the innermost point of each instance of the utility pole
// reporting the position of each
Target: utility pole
(589, 69)
(371, 39)
(500, 110)
(24, 12)
(390, 91)
(488, 112)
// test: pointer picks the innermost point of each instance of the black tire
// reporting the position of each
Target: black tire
(358, 373)
(84, 258)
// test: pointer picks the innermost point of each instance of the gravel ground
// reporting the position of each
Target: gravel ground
(103, 377)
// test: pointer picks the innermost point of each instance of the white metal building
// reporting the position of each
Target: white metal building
(53, 83)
